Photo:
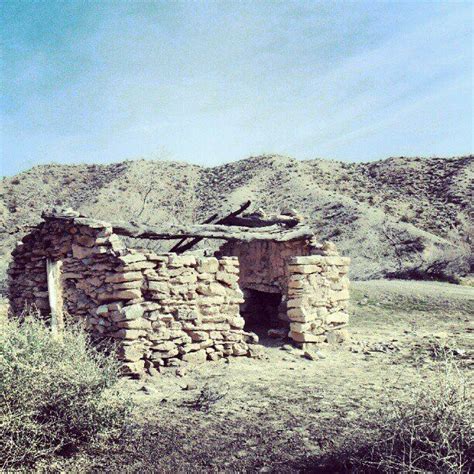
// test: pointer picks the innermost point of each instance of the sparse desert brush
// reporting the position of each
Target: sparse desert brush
(207, 397)
(428, 430)
(55, 395)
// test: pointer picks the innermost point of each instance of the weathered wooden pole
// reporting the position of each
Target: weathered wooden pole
(53, 269)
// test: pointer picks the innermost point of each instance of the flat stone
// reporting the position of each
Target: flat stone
(336, 260)
(134, 311)
(132, 258)
(164, 346)
(157, 355)
(182, 260)
(304, 269)
(120, 295)
(337, 318)
(129, 267)
(305, 337)
(122, 277)
(198, 336)
(306, 260)
(196, 357)
(159, 286)
(207, 265)
(128, 285)
(229, 279)
(314, 327)
(135, 324)
(186, 314)
(302, 315)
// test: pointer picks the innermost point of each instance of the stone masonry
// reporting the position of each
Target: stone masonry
(168, 310)
(318, 298)
(311, 277)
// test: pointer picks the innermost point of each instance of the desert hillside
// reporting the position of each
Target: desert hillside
(397, 216)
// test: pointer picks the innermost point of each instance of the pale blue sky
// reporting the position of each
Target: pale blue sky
(209, 82)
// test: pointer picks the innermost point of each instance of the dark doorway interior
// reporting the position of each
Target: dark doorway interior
(260, 311)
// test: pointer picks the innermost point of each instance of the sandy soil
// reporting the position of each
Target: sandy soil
(284, 413)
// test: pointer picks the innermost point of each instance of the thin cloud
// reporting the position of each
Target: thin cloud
(217, 82)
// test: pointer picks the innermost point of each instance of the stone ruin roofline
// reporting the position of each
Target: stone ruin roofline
(167, 310)
(274, 232)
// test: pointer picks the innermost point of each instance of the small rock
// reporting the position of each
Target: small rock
(181, 371)
(190, 386)
(146, 389)
(320, 354)
(277, 333)
(310, 355)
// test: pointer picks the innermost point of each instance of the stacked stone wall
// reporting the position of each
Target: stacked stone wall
(318, 298)
(189, 313)
(87, 252)
(168, 310)
(312, 279)
(162, 310)
(264, 263)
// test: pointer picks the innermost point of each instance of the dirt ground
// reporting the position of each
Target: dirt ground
(284, 413)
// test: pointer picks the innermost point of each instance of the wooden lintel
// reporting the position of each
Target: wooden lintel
(211, 231)
(182, 246)
(285, 221)
(220, 231)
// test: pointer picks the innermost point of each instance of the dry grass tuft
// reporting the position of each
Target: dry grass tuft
(429, 429)
(54, 395)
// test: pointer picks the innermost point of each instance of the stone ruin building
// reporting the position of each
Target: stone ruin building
(166, 310)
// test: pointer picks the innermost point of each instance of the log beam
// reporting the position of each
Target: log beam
(202, 231)
(210, 231)
(286, 221)
(182, 247)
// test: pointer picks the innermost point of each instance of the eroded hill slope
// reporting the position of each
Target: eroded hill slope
(391, 216)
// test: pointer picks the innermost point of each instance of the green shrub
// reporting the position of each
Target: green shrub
(55, 395)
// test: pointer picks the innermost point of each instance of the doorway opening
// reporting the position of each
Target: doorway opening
(261, 311)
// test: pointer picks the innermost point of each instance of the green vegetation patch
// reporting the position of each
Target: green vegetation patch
(55, 395)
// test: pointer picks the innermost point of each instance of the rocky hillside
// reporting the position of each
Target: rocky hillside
(398, 216)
